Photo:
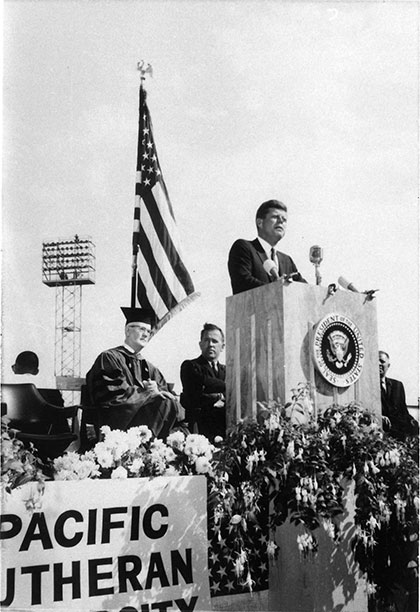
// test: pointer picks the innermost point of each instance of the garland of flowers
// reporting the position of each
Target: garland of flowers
(287, 461)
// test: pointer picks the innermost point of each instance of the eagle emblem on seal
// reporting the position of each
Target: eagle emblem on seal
(339, 346)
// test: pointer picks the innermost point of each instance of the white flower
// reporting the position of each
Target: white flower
(306, 542)
(373, 523)
(328, 525)
(137, 436)
(370, 588)
(290, 450)
(238, 567)
(176, 439)
(236, 519)
(197, 445)
(271, 549)
(169, 454)
(119, 473)
(136, 465)
(202, 465)
(248, 582)
(104, 455)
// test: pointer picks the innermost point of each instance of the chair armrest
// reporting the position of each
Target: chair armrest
(58, 412)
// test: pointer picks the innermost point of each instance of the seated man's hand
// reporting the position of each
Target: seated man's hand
(168, 394)
(386, 423)
(151, 388)
(220, 402)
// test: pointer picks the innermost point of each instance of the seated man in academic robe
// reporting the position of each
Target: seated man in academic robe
(128, 390)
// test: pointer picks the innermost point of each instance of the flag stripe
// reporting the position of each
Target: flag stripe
(161, 258)
(147, 294)
(156, 275)
(166, 240)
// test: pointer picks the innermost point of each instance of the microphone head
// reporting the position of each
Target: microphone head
(268, 265)
(346, 284)
(316, 254)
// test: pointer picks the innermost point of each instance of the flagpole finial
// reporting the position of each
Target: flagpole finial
(144, 69)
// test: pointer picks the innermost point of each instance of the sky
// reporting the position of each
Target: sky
(312, 103)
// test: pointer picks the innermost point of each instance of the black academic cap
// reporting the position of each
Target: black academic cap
(135, 315)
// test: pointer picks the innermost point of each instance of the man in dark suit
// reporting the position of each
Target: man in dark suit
(203, 386)
(396, 418)
(253, 263)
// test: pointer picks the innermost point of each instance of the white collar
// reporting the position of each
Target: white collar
(266, 246)
(131, 350)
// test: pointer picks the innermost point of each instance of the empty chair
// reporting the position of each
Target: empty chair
(32, 419)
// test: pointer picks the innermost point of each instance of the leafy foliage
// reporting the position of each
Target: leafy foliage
(18, 463)
(305, 464)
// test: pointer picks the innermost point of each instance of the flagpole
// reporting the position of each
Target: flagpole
(144, 69)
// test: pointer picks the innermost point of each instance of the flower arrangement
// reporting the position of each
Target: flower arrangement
(284, 466)
(136, 453)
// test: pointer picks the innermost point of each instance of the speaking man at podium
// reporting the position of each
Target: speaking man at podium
(253, 263)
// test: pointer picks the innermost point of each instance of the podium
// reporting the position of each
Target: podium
(278, 336)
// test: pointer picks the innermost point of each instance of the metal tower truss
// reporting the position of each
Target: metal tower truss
(67, 265)
(68, 321)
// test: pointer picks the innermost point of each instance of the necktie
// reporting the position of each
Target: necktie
(274, 257)
(214, 367)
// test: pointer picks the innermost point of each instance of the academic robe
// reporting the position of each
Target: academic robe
(115, 387)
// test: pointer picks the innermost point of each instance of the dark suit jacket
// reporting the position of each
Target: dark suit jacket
(201, 387)
(395, 408)
(246, 266)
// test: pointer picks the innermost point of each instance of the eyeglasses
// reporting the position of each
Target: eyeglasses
(141, 329)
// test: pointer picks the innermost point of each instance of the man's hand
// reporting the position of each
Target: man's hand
(386, 423)
(151, 388)
(167, 394)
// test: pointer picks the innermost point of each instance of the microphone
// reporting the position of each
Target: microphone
(271, 269)
(369, 293)
(346, 285)
(316, 255)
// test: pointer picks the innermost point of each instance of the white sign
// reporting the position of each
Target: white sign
(122, 545)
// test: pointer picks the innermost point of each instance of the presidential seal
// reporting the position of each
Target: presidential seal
(338, 350)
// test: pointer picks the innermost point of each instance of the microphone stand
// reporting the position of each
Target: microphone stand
(317, 274)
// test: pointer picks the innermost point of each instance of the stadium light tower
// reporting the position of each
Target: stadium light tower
(67, 265)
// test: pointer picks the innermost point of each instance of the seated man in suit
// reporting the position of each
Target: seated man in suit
(397, 420)
(257, 262)
(128, 390)
(203, 385)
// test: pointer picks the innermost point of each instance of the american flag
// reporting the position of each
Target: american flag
(163, 284)
(224, 553)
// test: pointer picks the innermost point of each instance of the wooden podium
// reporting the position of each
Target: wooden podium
(278, 336)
